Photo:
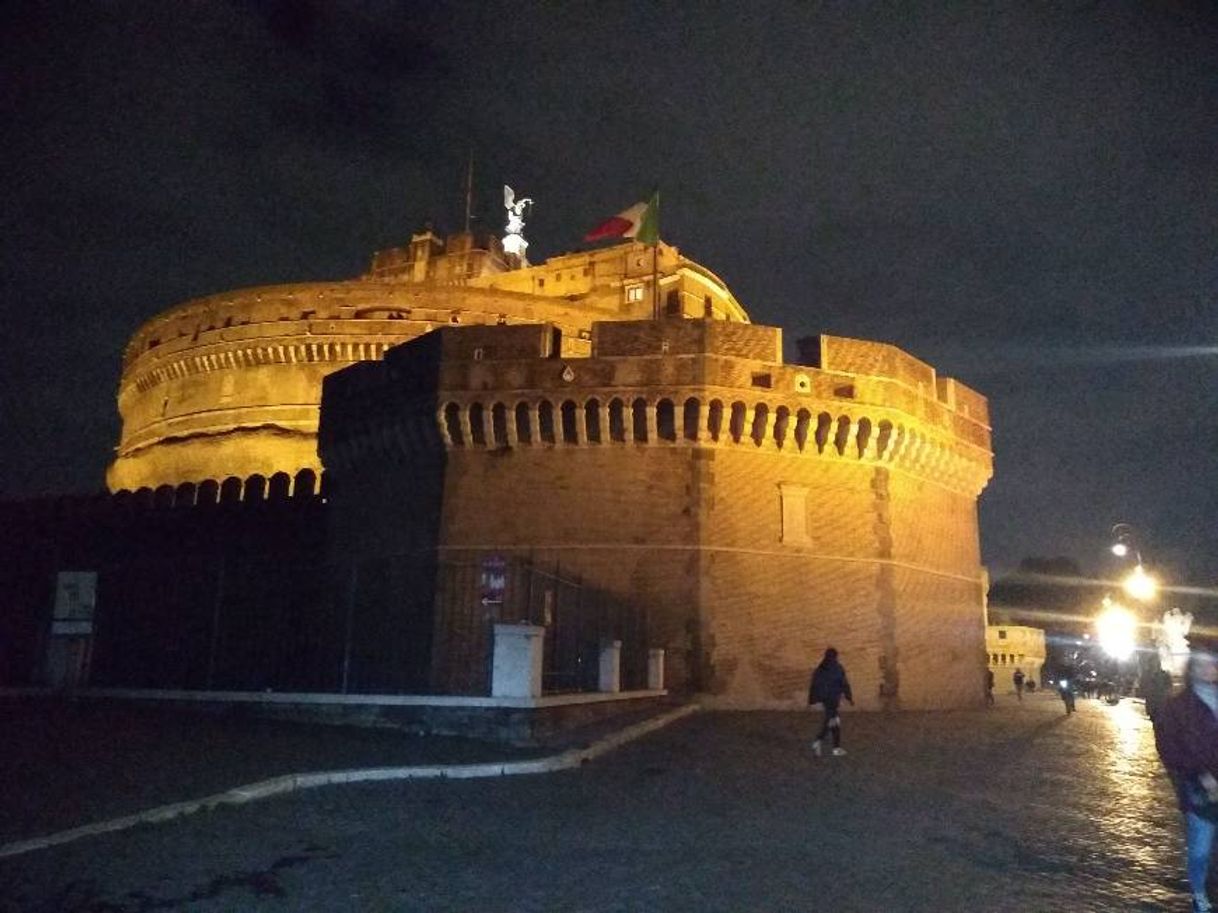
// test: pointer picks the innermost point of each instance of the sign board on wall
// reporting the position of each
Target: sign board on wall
(75, 599)
(493, 580)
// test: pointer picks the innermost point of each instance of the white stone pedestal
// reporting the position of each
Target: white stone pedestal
(610, 679)
(516, 668)
(655, 669)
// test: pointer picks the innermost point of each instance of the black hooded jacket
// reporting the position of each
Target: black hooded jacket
(829, 684)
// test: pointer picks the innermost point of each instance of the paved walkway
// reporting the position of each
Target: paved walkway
(65, 764)
(1013, 810)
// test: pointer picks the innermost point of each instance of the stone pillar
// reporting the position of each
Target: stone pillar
(488, 425)
(581, 424)
(606, 437)
(513, 437)
(467, 429)
(535, 423)
(653, 432)
(610, 679)
(655, 669)
(516, 668)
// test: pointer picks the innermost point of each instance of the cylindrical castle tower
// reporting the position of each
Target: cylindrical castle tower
(754, 512)
(230, 384)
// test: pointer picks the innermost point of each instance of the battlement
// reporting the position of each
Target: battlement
(657, 383)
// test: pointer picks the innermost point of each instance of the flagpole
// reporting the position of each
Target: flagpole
(655, 281)
(469, 190)
(655, 263)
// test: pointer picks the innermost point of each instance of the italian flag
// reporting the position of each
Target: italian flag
(640, 222)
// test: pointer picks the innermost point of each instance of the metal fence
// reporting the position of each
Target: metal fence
(244, 597)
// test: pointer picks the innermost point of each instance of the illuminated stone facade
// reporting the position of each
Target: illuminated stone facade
(1011, 647)
(756, 511)
(230, 385)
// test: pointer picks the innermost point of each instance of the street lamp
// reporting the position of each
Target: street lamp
(1141, 585)
(1124, 541)
(1117, 630)
(1138, 585)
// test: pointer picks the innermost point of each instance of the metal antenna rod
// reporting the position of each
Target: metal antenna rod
(469, 191)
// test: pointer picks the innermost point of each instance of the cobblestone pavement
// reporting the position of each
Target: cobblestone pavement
(1013, 809)
(65, 764)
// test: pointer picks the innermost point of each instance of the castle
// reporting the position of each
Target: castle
(607, 436)
(230, 384)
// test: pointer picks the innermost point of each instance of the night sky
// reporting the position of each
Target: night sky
(1023, 195)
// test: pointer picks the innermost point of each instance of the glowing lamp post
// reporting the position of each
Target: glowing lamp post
(1116, 629)
(1140, 585)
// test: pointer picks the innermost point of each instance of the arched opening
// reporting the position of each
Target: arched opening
(692, 418)
(666, 420)
(569, 432)
(208, 492)
(306, 484)
(638, 414)
(163, 496)
(141, 498)
(714, 420)
(279, 487)
(824, 425)
(842, 435)
(592, 420)
(499, 424)
(863, 438)
(545, 422)
(230, 491)
(736, 426)
(782, 418)
(617, 421)
(803, 419)
(255, 488)
(452, 422)
(524, 430)
(761, 415)
(477, 427)
(184, 495)
(884, 439)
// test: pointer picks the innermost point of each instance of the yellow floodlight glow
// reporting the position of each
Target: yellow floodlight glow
(1116, 629)
(1140, 585)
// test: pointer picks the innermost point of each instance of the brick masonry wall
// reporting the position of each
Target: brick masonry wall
(889, 573)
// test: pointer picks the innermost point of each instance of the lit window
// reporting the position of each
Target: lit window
(634, 293)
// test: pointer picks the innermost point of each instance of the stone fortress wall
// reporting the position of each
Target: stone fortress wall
(230, 384)
(760, 511)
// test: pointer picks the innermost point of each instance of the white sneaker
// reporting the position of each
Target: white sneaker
(838, 752)
(816, 748)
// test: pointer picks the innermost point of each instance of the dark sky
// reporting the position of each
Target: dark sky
(1024, 195)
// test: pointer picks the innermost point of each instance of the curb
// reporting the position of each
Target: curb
(291, 782)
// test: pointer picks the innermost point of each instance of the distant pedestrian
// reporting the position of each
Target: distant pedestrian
(829, 686)
(1065, 687)
(1017, 678)
(989, 687)
(1186, 734)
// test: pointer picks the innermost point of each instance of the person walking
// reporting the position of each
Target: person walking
(1017, 678)
(989, 687)
(1186, 734)
(1065, 687)
(829, 686)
